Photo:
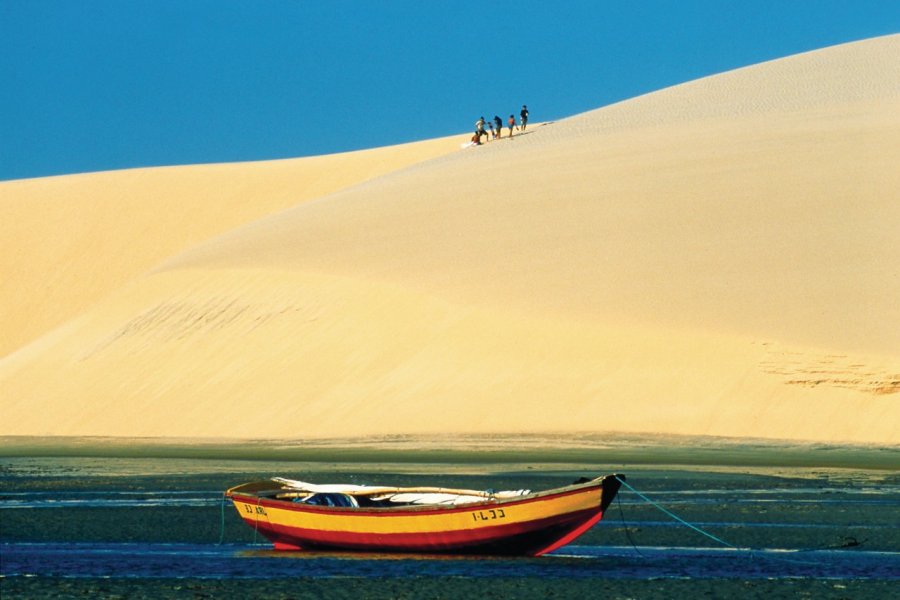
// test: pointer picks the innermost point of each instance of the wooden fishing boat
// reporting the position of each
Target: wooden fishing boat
(296, 515)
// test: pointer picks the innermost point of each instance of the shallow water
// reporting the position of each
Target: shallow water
(258, 561)
(132, 527)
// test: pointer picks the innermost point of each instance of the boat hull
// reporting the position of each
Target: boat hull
(531, 525)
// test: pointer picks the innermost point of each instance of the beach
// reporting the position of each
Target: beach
(114, 523)
(695, 288)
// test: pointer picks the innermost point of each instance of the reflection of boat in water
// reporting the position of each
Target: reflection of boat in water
(296, 515)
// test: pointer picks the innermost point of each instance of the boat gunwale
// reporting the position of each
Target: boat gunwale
(411, 509)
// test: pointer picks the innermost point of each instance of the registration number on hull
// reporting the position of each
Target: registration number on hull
(254, 509)
(489, 515)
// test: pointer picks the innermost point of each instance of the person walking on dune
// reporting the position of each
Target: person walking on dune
(479, 129)
(511, 123)
(524, 116)
(498, 126)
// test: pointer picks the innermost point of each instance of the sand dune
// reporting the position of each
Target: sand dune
(715, 258)
(67, 241)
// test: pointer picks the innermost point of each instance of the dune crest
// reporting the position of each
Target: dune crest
(717, 258)
(849, 74)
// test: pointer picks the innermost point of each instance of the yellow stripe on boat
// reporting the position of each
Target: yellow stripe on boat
(431, 519)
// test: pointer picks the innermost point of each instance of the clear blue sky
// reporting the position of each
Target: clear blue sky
(89, 85)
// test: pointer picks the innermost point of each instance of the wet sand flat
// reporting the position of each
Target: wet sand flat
(449, 588)
(97, 523)
(608, 448)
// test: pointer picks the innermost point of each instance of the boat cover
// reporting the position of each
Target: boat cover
(401, 495)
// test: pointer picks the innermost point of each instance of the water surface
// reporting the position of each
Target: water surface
(157, 527)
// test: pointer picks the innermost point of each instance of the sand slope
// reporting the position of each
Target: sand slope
(715, 258)
(67, 241)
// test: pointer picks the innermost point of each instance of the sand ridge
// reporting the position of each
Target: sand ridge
(718, 258)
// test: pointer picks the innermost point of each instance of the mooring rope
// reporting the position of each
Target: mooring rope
(679, 519)
(750, 551)
(222, 520)
(222, 526)
(625, 526)
(256, 522)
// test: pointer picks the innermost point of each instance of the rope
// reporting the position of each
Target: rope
(750, 551)
(256, 522)
(222, 527)
(625, 526)
(677, 518)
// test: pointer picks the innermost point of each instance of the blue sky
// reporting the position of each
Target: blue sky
(88, 85)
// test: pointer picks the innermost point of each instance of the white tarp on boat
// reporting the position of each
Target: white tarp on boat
(430, 496)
